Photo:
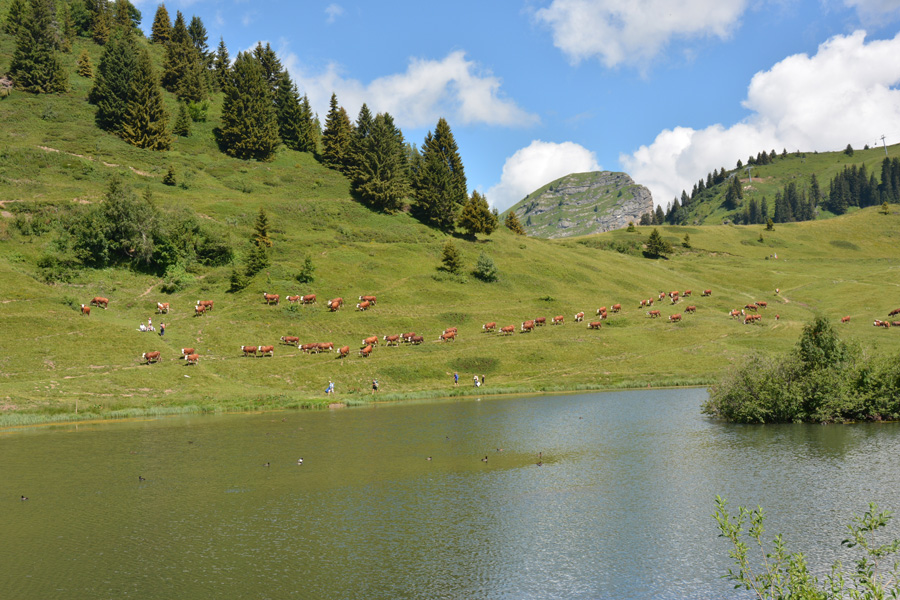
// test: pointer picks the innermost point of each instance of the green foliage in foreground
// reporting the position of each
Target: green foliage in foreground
(786, 575)
(823, 380)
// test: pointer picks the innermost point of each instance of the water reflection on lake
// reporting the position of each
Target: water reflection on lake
(620, 508)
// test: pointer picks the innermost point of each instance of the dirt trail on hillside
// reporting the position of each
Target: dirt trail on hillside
(92, 159)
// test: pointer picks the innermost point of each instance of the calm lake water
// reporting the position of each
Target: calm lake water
(621, 507)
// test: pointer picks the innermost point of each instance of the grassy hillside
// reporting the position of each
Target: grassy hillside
(55, 361)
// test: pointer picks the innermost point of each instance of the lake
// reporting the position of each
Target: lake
(621, 507)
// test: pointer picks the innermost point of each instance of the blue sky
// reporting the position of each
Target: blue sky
(665, 91)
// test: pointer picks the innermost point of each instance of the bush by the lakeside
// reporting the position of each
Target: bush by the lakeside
(823, 380)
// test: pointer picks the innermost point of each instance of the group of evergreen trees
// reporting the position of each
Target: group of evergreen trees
(854, 186)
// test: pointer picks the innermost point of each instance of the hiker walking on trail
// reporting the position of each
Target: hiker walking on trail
(456, 379)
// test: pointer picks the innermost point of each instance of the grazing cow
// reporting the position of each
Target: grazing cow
(344, 352)
(192, 359)
(370, 299)
(392, 340)
(616, 308)
(370, 341)
(162, 307)
(845, 319)
(895, 323)
(653, 314)
(310, 347)
(308, 299)
(896, 311)
(290, 340)
(603, 315)
(528, 326)
(248, 350)
(206, 304)
(416, 339)
(777, 291)
(364, 305)
(558, 320)
(450, 330)
(661, 296)
(100, 301)
(752, 319)
(675, 318)
(447, 336)
(706, 293)
(540, 321)
(736, 313)
(199, 310)
(86, 310)
(691, 309)
(509, 329)
(150, 356)
(750, 306)
(686, 293)
(489, 326)
(579, 317)
(407, 337)
(364, 352)
(762, 304)
(643, 304)
(271, 298)
(186, 351)
(270, 350)
(335, 304)
(777, 316)
(595, 325)
(601, 310)
(294, 299)
(323, 346)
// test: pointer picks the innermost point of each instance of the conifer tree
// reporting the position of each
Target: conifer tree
(380, 177)
(451, 259)
(112, 82)
(659, 216)
(35, 65)
(146, 121)
(67, 28)
(15, 17)
(85, 69)
(271, 66)
(260, 243)
(476, 216)
(336, 138)
(309, 128)
(656, 246)
(763, 210)
(169, 177)
(222, 64)
(440, 186)
(182, 68)
(646, 218)
(182, 127)
(197, 32)
(161, 32)
(101, 25)
(288, 112)
(485, 269)
(249, 127)
(122, 15)
(512, 223)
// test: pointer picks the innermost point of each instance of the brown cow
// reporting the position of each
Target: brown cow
(192, 359)
(310, 347)
(752, 319)
(271, 298)
(686, 293)
(528, 326)
(762, 304)
(488, 327)
(416, 339)
(323, 346)
(100, 301)
(407, 337)
(162, 307)
(653, 314)
(248, 350)
(750, 306)
(370, 299)
(777, 316)
(370, 341)
(616, 308)
(364, 305)
(896, 311)
(335, 304)
(735, 313)
(595, 325)
(845, 319)
(294, 299)
(706, 293)
(661, 296)
(604, 316)
(673, 294)
(579, 317)
(270, 350)
(150, 356)
(895, 323)
(508, 329)
(675, 318)
(86, 310)
(199, 310)
(290, 340)
(308, 299)
(450, 330)
(691, 308)
(186, 351)
(540, 321)
(364, 352)
(447, 336)
(206, 304)
(392, 340)
(601, 310)
(558, 320)
(344, 351)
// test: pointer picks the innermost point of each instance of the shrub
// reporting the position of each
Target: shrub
(451, 260)
(176, 279)
(485, 269)
(169, 177)
(307, 271)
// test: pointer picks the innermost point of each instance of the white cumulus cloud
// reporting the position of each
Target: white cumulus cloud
(453, 87)
(535, 165)
(634, 32)
(844, 94)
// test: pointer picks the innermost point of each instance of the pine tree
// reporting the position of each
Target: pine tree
(271, 66)
(15, 17)
(512, 223)
(122, 15)
(249, 127)
(145, 117)
(35, 65)
(169, 177)
(451, 259)
(112, 82)
(686, 242)
(67, 28)
(161, 31)
(309, 128)
(337, 137)
(288, 112)
(182, 126)
(815, 194)
(380, 177)
(659, 216)
(197, 33)
(183, 70)
(85, 69)
(440, 186)
(656, 246)
(260, 243)
(307, 271)
(753, 216)
(101, 25)
(476, 216)
(763, 210)
(646, 219)
(222, 64)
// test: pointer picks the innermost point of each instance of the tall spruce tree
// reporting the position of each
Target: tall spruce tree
(112, 82)
(146, 121)
(271, 66)
(85, 68)
(512, 223)
(183, 70)
(66, 27)
(197, 32)
(101, 21)
(337, 137)
(15, 17)
(440, 186)
(309, 128)
(289, 112)
(36, 66)
(656, 246)
(249, 126)
(476, 216)
(182, 127)
(221, 64)
(358, 139)
(161, 31)
(380, 176)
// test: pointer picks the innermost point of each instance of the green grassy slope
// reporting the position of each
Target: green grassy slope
(53, 360)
